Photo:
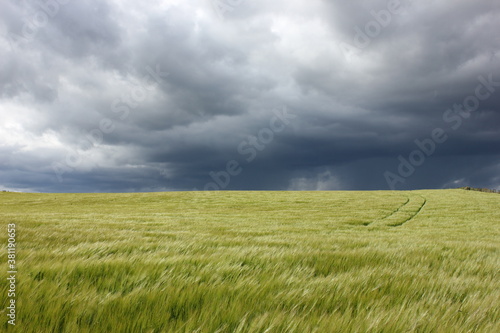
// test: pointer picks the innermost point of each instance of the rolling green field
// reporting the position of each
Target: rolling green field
(383, 261)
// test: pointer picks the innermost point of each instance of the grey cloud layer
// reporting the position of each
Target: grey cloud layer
(79, 100)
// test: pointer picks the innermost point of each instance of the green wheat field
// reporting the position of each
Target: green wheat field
(381, 261)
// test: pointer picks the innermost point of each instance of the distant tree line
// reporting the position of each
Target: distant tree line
(487, 190)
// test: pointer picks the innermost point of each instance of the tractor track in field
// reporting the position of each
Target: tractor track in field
(398, 209)
(413, 216)
(391, 213)
(401, 210)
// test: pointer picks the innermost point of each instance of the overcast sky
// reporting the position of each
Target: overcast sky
(120, 96)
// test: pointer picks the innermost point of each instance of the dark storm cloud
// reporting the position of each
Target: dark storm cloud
(123, 96)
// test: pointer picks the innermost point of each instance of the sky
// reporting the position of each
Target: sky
(130, 96)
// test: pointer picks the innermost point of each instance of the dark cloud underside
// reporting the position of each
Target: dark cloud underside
(117, 96)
